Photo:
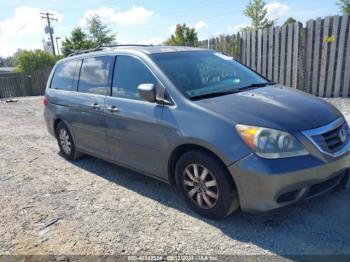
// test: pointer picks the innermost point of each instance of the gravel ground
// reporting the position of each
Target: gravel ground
(51, 206)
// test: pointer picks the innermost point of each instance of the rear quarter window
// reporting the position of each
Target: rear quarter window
(63, 77)
(96, 74)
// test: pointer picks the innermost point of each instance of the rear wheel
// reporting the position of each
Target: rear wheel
(65, 142)
(205, 185)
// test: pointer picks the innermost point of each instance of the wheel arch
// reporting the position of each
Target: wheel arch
(55, 124)
(181, 149)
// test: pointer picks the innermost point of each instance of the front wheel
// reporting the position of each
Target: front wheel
(206, 185)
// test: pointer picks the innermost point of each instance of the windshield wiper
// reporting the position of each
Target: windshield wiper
(228, 92)
(215, 94)
(254, 85)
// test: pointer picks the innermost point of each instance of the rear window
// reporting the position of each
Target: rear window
(95, 75)
(64, 75)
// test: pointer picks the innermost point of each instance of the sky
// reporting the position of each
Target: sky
(140, 21)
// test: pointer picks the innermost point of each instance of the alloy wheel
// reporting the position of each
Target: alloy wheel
(65, 141)
(201, 186)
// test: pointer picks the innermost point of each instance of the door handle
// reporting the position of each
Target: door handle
(113, 109)
(95, 106)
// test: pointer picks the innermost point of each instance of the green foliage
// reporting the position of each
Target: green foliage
(183, 36)
(77, 41)
(344, 6)
(97, 35)
(248, 28)
(227, 45)
(290, 20)
(29, 61)
(257, 12)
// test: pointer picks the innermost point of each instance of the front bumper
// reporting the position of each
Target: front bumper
(266, 184)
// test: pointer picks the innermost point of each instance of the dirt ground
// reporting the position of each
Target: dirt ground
(51, 206)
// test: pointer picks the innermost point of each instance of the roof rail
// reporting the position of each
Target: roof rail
(101, 47)
(116, 45)
(83, 51)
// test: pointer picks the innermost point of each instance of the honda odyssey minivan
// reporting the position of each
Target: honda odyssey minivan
(227, 137)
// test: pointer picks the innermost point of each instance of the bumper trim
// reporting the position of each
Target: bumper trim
(313, 190)
(260, 182)
(325, 186)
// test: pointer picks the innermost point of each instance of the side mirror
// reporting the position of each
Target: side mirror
(147, 92)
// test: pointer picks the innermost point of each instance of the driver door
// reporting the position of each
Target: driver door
(134, 128)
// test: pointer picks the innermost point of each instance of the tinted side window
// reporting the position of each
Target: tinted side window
(95, 75)
(129, 73)
(64, 76)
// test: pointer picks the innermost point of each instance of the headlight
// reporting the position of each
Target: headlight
(270, 143)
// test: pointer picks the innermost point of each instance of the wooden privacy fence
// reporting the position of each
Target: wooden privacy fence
(21, 84)
(314, 58)
(226, 44)
(275, 53)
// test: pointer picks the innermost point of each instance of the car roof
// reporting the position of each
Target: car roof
(146, 49)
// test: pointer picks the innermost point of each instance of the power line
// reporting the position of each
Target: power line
(48, 29)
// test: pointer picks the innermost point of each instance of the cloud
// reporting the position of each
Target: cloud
(24, 29)
(137, 15)
(236, 28)
(172, 29)
(276, 10)
(200, 24)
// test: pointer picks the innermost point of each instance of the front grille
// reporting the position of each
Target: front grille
(330, 140)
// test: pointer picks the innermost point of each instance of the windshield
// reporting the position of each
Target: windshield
(201, 73)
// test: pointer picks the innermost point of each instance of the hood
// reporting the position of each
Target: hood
(275, 107)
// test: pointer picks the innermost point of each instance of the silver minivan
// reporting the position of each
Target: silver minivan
(223, 134)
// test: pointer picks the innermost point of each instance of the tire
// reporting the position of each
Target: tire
(218, 197)
(66, 143)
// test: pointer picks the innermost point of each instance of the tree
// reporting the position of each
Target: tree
(99, 33)
(344, 6)
(29, 61)
(184, 35)
(290, 20)
(257, 12)
(77, 41)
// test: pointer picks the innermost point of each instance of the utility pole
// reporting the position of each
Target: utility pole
(58, 49)
(49, 17)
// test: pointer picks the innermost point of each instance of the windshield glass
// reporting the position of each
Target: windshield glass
(201, 73)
